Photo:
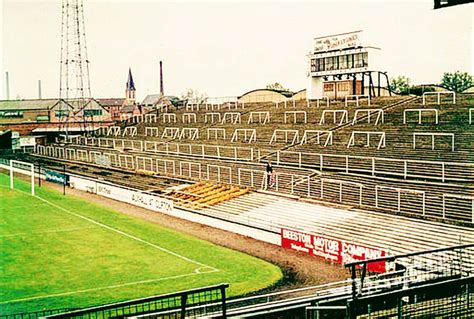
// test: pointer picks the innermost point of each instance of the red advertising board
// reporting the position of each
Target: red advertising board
(337, 251)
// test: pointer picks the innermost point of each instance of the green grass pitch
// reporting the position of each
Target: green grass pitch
(63, 252)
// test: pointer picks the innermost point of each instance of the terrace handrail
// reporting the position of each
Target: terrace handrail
(420, 111)
(350, 98)
(429, 271)
(432, 135)
(438, 94)
(222, 287)
(381, 143)
(457, 196)
(379, 112)
(398, 256)
(440, 173)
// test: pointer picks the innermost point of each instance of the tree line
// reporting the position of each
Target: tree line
(457, 82)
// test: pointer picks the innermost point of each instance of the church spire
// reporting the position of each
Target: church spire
(130, 83)
(130, 88)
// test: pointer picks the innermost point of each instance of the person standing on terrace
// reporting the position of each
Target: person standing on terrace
(270, 174)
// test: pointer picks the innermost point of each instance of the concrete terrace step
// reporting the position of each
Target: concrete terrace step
(395, 233)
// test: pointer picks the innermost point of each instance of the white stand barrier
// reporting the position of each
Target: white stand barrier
(438, 95)
(380, 145)
(319, 134)
(420, 111)
(286, 134)
(295, 114)
(250, 135)
(432, 135)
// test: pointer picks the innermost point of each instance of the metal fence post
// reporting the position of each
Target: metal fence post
(444, 207)
(224, 303)
(292, 183)
(340, 192)
(473, 210)
(376, 197)
(184, 298)
(424, 203)
(399, 200)
(442, 171)
(373, 166)
(39, 173)
(309, 186)
(322, 188)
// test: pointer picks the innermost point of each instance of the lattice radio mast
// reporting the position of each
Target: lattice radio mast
(74, 84)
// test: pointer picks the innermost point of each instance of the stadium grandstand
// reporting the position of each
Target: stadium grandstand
(372, 178)
(372, 185)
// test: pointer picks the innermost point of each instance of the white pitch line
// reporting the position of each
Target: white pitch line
(123, 233)
(128, 235)
(108, 287)
(46, 232)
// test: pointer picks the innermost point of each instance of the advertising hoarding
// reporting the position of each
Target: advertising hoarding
(55, 177)
(338, 41)
(337, 251)
(136, 198)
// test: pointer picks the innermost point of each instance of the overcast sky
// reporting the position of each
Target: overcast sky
(226, 48)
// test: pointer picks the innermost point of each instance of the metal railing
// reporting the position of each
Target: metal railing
(182, 304)
(36, 314)
(375, 166)
(420, 283)
(393, 199)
